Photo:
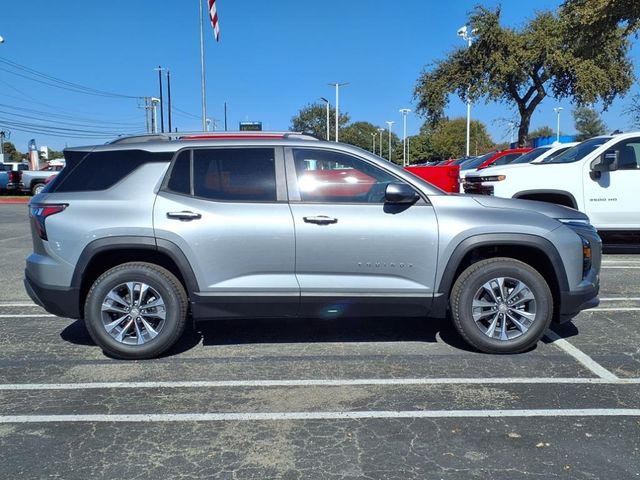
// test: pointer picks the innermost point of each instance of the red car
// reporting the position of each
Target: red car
(503, 157)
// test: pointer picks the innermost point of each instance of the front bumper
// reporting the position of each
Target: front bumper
(62, 302)
(572, 303)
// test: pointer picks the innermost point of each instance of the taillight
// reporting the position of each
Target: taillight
(40, 212)
(15, 176)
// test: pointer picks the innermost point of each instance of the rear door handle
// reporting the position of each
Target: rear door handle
(187, 216)
(320, 220)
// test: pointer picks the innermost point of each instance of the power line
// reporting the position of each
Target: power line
(36, 76)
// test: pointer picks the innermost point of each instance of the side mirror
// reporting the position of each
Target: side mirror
(400, 193)
(606, 162)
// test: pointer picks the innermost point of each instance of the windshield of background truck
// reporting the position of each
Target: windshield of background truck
(474, 162)
(530, 156)
(579, 151)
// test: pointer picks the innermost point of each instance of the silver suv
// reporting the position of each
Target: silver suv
(135, 235)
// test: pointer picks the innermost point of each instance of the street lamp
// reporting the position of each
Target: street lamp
(404, 112)
(327, 102)
(338, 85)
(389, 123)
(1, 39)
(467, 36)
(558, 110)
(208, 122)
(373, 147)
(381, 130)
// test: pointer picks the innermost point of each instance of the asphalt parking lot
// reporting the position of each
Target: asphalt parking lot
(330, 399)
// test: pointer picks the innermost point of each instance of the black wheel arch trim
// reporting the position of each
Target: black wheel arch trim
(569, 195)
(135, 243)
(441, 299)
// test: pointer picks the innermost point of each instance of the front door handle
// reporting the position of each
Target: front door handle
(186, 216)
(320, 220)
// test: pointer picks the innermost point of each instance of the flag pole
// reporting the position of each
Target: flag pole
(202, 79)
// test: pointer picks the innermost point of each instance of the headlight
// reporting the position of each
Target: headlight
(493, 178)
(580, 222)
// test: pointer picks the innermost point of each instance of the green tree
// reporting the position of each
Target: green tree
(597, 18)
(542, 132)
(588, 123)
(521, 67)
(360, 134)
(633, 110)
(11, 151)
(448, 138)
(420, 148)
(313, 119)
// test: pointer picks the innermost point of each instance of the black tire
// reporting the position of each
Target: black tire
(470, 285)
(37, 188)
(161, 284)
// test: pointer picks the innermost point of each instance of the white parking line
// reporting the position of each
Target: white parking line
(618, 266)
(621, 299)
(580, 356)
(19, 305)
(33, 315)
(322, 383)
(271, 416)
(614, 309)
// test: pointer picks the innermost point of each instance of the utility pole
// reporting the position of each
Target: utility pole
(404, 112)
(169, 97)
(202, 74)
(373, 147)
(389, 123)
(225, 116)
(160, 70)
(381, 130)
(3, 134)
(338, 85)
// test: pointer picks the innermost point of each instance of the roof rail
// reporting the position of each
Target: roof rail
(210, 136)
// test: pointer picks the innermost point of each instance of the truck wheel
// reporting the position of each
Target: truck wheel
(136, 311)
(37, 188)
(501, 305)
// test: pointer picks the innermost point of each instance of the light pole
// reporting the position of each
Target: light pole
(327, 103)
(338, 85)
(463, 32)
(1, 39)
(389, 123)
(208, 122)
(373, 147)
(381, 130)
(154, 117)
(404, 112)
(558, 110)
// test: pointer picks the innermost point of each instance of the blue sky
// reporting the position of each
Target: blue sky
(272, 59)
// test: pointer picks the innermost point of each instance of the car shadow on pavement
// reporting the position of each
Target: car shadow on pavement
(250, 331)
(285, 330)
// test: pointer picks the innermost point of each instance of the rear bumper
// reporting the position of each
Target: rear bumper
(63, 302)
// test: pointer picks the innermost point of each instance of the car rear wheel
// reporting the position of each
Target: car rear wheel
(37, 188)
(136, 311)
(501, 305)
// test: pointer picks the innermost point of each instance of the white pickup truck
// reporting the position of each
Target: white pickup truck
(600, 177)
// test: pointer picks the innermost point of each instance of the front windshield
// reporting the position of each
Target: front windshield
(579, 151)
(530, 156)
(475, 162)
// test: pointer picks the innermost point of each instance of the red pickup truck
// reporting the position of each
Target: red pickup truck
(443, 176)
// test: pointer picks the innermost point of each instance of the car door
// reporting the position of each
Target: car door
(611, 201)
(226, 210)
(356, 254)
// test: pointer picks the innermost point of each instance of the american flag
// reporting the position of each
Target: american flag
(213, 16)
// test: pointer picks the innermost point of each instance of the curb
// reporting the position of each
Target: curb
(14, 201)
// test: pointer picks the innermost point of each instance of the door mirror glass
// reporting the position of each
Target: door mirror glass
(400, 193)
(606, 162)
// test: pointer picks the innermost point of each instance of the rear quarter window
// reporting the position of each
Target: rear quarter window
(102, 170)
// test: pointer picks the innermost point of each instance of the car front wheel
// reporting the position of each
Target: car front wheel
(136, 311)
(501, 305)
